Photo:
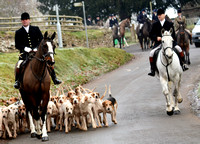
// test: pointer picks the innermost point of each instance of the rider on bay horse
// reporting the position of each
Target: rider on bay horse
(27, 39)
(141, 19)
(181, 19)
(155, 35)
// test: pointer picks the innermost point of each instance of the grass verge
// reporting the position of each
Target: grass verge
(73, 66)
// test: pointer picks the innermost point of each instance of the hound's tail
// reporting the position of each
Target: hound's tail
(109, 91)
(104, 93)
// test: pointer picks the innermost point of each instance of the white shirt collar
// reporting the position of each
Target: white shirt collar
(162, 22)
(26, 28)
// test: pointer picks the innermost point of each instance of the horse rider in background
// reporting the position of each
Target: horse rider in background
(115, 20)
(155, 35)
(112, 21)
(27, 39)
(141, 19)
(181, 19)
(89, 21)
(154, 16)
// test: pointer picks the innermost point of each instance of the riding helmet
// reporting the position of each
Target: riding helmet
(25, 16)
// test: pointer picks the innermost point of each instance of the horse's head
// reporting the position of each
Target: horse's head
(167, 43)
(48, 48)
(181, 27)
(126, 22)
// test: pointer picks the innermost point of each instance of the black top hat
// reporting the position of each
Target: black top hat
(25, 16)
(160, 11)
(179, 10)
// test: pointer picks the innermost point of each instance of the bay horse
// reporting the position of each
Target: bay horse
(36, 85)
(183, 41)
(116, 35)
(125, 23)
(169, 73)
(143, 35)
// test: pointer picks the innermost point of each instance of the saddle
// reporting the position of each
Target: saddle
(24, 65)
(155, 56)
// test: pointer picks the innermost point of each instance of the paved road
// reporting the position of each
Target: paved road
(141, 114)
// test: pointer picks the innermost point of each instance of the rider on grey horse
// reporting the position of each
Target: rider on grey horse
(27, 39)
(155, 35)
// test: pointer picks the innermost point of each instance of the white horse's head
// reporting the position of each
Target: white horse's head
(167, 43)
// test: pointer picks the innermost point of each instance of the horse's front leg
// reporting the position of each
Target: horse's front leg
(32, 126)
(178, 97)
(165, 89)
(44, 130)
(188, 56)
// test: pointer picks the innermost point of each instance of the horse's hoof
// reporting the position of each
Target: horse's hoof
(33, 135)
(45, 139)
(177, 112)
(170, 113)
(180, 100)
(39, 136)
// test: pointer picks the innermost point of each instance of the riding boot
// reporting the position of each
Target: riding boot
(152, 64)
(53, 76)
(17, 78)
(182, 61)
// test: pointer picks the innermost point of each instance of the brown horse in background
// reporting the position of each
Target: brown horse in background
(143, 35)
(116, 35)
(183, 41)
(36, 85)
(125, 23)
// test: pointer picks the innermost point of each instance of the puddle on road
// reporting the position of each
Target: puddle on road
(194, 98)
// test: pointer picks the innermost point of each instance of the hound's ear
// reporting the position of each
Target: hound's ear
(104, 104)
(53, 36)
(45, 34)
(171, 30)
(86, 98)
(162, 31)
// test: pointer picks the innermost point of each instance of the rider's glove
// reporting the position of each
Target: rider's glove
(35, 49)
(27, 49)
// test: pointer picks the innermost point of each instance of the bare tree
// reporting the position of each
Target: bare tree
(11, 8)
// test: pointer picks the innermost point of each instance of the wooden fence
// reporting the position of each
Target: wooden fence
(45, 22)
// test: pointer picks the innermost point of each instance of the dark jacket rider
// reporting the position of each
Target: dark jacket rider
(27, 39)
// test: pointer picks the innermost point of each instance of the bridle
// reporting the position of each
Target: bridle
(167, 58)
(45, 59)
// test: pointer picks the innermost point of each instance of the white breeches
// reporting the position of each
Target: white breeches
(153, 50)
(19, 63)
(141, 25)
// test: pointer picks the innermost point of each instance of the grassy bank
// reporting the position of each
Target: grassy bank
(73, 66)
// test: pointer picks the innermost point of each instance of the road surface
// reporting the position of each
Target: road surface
(141, 114)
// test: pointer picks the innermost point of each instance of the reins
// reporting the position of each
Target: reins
(166, 66)
(41, 60)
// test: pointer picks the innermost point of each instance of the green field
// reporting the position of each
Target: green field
(74, 66)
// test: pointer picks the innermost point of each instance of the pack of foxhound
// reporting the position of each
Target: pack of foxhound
(80, 108)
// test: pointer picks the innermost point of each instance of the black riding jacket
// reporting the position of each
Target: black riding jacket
(31, 39)
(156, 31)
